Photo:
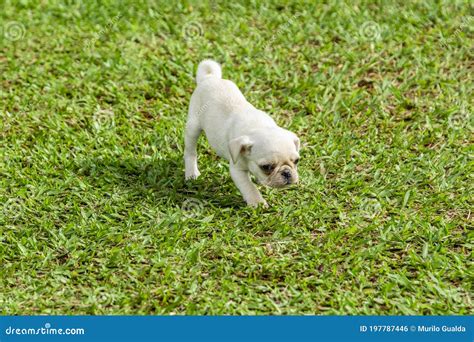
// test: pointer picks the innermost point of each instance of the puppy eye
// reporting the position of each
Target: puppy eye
(296, 161)
(267, 167)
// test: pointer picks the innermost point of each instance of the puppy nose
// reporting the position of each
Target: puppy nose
(286, 174)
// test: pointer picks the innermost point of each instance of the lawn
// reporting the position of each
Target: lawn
(95, 215)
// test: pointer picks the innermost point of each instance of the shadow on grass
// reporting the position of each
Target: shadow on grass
(164, 177)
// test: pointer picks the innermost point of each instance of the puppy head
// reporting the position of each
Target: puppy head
(270, 155)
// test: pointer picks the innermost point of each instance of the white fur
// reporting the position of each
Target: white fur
(208, 68)
(238, 132)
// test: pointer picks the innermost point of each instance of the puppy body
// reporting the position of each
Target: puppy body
(247, 137)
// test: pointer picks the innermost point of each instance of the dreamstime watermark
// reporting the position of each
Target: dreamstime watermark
(222, 98)
(46, 330)
(14, 31)
(370, 207)
(192, 207)
(370, 30)
(309, 177)
(460, 118)
(103, 119)
(280, 30)
(89, 43)
(13, 208)
(465, 24)
(192, 30)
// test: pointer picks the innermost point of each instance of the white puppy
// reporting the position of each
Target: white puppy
(247, 137)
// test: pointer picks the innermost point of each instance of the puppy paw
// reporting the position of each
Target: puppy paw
(194, 174)
(258, 202)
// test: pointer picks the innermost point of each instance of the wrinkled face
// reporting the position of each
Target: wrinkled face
(273, 160)
(276, 171)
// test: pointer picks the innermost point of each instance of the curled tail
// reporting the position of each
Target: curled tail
(208, 68)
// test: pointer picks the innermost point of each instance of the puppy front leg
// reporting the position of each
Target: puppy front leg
(248, 190)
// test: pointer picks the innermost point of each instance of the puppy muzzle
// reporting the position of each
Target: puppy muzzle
(284, 177)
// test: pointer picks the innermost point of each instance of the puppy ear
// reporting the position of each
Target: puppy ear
(240, 146)
(296, 140)
(297, 143)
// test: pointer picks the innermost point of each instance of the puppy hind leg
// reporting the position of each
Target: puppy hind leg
(193, 130)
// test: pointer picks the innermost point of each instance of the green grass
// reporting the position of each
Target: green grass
(95, 216)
